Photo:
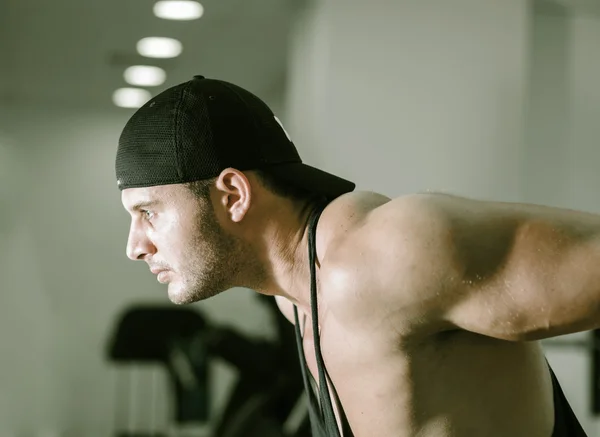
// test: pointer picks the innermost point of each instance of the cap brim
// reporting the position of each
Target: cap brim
(312, 179)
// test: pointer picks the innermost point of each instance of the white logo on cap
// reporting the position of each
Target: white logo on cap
(281, 124)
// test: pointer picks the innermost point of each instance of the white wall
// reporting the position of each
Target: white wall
(413, 95)
(482, 98)
(27, 324)
(65, 275)
(548, 97)
(584, 130)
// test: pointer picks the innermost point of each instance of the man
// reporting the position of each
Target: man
(416, 316)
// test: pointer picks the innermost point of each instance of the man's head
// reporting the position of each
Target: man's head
(175, 230)
(176, 233)
(190, 149)
(205, 237)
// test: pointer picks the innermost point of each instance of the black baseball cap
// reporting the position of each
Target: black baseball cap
(194, 130)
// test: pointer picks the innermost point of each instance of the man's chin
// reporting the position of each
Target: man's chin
(180, 296)
(180, 300)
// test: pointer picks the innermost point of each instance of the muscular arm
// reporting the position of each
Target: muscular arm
(511, 271)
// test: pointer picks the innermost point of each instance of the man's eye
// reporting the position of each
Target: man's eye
(148, 215)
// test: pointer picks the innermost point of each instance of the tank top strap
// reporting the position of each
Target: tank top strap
(320, 403)
(324, 379)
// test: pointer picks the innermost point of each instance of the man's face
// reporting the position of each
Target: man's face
(180, 239)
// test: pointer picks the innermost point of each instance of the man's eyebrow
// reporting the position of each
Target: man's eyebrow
(144, 204)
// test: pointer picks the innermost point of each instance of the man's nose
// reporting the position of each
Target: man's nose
(138, 245)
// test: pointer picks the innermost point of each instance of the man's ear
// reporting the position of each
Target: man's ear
(234, 192)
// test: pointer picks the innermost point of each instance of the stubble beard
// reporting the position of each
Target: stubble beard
(217, 262)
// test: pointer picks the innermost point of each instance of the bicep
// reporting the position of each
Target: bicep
(527, 272)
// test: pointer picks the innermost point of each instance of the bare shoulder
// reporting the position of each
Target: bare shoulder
(381, 255)
(350, 210)
(338, 223)
(343, 219)
(394, 262)
(374, 222)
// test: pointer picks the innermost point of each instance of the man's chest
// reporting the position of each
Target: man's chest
(364, 371)
(385, 389)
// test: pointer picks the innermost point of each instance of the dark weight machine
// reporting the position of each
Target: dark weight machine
(267, 398)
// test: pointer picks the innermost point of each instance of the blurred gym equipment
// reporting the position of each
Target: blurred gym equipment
(590, 343)
(168, 336)
(267, 399)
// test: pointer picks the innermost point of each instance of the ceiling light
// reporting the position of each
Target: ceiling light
(130, 97)
(178, 9)
(159, 47)
(145, 75)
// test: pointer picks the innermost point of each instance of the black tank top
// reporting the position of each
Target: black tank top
(320, 402)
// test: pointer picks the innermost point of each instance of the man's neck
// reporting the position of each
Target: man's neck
(287, 257)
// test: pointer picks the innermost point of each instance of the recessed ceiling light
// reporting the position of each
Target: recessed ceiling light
(130, 97)
(159, 47)
(145, 75)
(178, 10)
